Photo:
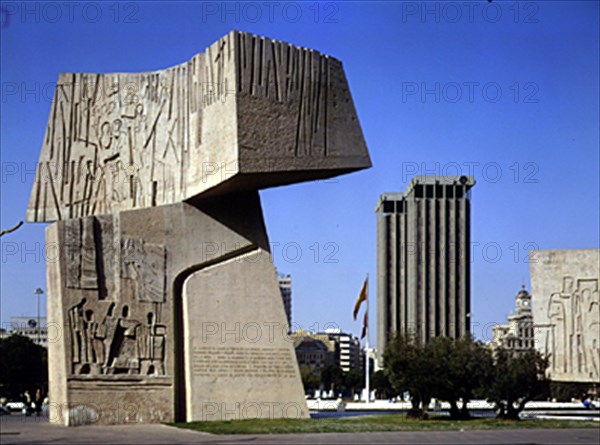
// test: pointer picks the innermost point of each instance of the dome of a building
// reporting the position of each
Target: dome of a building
(522, 293)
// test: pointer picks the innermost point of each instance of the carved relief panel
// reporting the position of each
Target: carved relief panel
(115, 315)
(566, 303)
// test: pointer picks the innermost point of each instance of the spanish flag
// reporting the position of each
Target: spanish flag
(362, 297)
(365, 325)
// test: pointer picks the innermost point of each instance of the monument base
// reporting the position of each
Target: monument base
(171, 313)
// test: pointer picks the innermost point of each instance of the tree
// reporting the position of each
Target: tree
(332, 378)
(460, 367)
(517, 379)
(24, 365)
(309, 379)
(443, 367)
(354, 380)
(472, 365)
(409, 367)
(567, 391)
(382, 385)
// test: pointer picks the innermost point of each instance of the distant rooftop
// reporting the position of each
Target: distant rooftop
(441, 180)
(469, 181)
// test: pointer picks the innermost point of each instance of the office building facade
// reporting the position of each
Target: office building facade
(313, 353)
(285, 287)
(423, 259)
(347, 349)
(27, 326)
(344, 349)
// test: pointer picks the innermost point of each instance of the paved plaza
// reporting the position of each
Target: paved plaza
(32, 430)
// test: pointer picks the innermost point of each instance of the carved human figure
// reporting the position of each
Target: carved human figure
(143, 333)
(94, 343)
(158, 349)
(124, 349)
(90, 330)
(106, 332)
(594, 367)
(558, 331)
(578, 330)
(77, 328)
(150, 340)
(592, 321)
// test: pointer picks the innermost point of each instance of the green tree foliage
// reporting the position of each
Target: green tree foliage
(23, 365)
(516, 380)
(460, 367)
(567, 391)
(309, 379)
(456, 370)
(409, 368)
(354, 380)
(332, 378)
(382, 385)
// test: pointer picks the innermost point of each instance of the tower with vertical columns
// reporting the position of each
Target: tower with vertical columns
(423, 259)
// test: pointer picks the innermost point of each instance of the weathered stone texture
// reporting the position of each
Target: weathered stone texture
(153, 180)
(566, 312)
(246, 114)
(123, 348)
(241, 362)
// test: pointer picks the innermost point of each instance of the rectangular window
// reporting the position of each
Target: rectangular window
(388, 206)
(429, 191)
(449, 191)
(418, 191)
(439, 191)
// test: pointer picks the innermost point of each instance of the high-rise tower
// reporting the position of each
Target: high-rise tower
(423, 261)
(285, 287)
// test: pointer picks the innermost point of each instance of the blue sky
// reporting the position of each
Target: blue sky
(506, 91)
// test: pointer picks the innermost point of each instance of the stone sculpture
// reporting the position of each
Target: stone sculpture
(164, 284)
(566, 312)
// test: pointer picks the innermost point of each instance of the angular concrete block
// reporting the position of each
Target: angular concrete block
(240, 361)
(246, 114)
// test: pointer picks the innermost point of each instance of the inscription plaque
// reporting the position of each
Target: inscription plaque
(213, 361)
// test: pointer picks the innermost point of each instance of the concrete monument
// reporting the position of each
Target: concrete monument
(163, 282)
(566, 312)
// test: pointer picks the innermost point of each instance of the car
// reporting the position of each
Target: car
(15, 406)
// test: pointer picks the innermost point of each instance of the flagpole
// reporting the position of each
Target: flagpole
(367, 347)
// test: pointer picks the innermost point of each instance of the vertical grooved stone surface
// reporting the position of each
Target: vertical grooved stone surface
(247, 113)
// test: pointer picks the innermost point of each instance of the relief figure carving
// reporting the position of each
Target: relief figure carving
(573, 323)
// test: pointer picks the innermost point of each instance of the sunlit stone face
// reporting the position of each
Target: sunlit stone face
(248, 113)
